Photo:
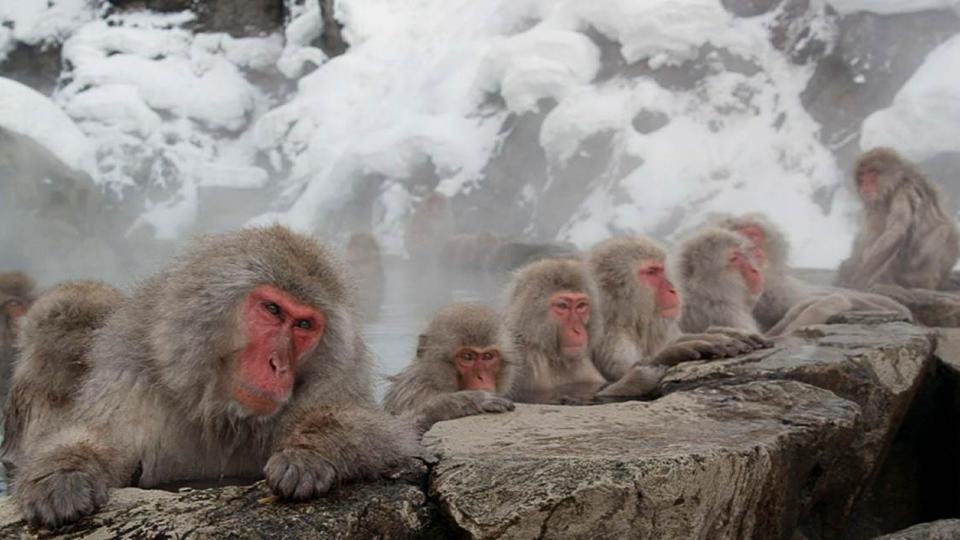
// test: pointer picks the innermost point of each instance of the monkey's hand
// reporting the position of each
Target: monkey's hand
(749, 339)
(460, 404)
(52, 499)
(299, 473)
(640, 381)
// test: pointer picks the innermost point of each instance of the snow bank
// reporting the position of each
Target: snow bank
(924, 118)
(887, 7)
(28, 112)
(34, 22)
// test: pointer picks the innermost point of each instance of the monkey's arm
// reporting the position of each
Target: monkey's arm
(460, 404)
(877, 256)
(327, 444)
(66, 475)
(640, 381)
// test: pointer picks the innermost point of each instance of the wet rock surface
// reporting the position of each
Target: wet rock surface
(945, 529)
(803, 439)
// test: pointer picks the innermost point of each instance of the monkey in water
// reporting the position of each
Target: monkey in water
(788, 302)
(461, 368)
(720, 281)
(906, 237)
(641, 310)
(242, 359)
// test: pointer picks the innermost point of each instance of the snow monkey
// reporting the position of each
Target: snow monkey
(56, 334)
(430, 225)
(16, 294)
(554, 322)
(242, 359)
(787, 302)
(719, 280)
(906, 237)
(641, 309)
(461, 368)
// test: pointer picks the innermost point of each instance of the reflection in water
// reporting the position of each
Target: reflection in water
(411, 296)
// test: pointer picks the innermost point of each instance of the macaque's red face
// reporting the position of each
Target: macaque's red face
(867, 182)
(14, 309)
(571, 310)
(280, 331)
(751, 276)
(759, 243)
(652, 273)
(477, 368)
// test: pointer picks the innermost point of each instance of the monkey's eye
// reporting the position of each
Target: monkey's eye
(304, 324)
(468, 356)
(488, 356)
(562, 305)
(582, 306)
(272, 307)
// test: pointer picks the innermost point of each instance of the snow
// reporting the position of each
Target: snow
(28, 112)
(170, 113)
(887, 7)
(924, 118)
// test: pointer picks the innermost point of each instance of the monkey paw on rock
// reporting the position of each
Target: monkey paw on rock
(298, 474)
(52, 500)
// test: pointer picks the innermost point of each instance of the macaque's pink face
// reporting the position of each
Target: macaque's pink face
(653, 274)
(867, 182)
(279, 331)
(759, 243)
(477, 368)
(751, 276)
(571, 311)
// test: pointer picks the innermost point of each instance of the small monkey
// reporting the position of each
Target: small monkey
(461, 368)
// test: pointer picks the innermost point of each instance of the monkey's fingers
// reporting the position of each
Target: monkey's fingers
(678, 352)
(752, 338)
(497, 404)
(62, 497)
(298, 474)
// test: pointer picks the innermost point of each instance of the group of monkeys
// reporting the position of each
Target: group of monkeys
(244, 358)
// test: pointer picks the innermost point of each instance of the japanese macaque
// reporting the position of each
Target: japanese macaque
(366, 266)
(469, 252)
(641, 309)
(56, 334)
(906, 237)
(16, 295)
(241, 360)
(429, 228)
(719, 280)
(787, 302)
(461, 368)
(509, 256)
(551, 321)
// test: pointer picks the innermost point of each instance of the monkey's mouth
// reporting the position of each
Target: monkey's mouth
(258, 402)
(670, 312)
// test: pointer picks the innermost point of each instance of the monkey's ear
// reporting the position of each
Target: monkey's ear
(421, 345)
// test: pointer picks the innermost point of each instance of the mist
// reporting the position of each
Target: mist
(126, 132)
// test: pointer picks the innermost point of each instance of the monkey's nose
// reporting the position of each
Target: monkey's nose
(278, 365)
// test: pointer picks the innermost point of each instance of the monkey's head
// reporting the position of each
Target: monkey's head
(249, 318)
(715, 261)
(877, 174)
(768, 246)
(631, 273)
(550, 308)
(462, 349)
(16, 295)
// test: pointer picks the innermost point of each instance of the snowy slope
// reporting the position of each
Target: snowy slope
(171, 113)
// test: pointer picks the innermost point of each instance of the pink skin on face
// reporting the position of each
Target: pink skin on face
(14, 309)
(653, 274)
(759, 242)
(477, 368)
(867, 184)
(572, 311)
(279, 331)
(751, 276)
